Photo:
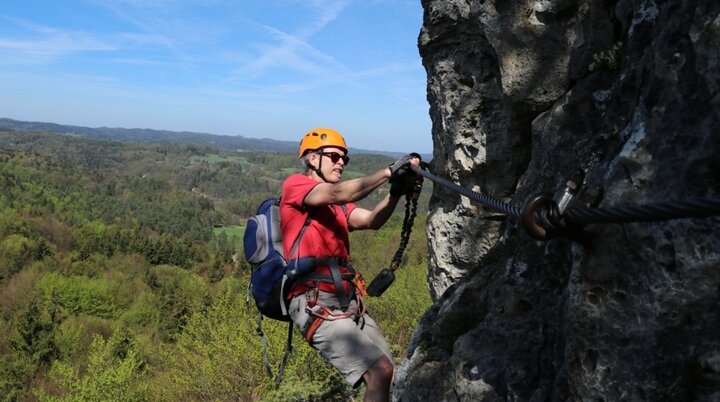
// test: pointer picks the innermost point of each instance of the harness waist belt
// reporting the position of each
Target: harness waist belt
(303, 269)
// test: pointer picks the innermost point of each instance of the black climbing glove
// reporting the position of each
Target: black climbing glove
(401, 167)
(399, 188)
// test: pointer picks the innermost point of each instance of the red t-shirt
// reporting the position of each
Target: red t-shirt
(327, 235)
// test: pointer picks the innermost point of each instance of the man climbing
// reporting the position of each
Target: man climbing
(324, 300)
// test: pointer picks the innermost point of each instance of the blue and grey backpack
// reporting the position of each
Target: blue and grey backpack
(262, 243)
(271, 277)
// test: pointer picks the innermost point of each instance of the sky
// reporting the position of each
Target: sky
(261, 69)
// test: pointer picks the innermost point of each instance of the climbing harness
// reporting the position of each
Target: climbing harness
(545, 216)
(379, 284)
(322, 312)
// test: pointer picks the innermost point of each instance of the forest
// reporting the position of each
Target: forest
(122, 277)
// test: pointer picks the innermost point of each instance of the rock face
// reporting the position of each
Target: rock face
(524, 93)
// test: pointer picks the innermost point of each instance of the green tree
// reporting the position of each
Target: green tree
(212, 358)
(216, 273)
(180, 292)
(12, 222)
(35, 335)
(109, 376)
(16, 251)
(91, 239)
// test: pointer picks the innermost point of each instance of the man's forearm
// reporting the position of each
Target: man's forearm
(382, 212)
(357, 189)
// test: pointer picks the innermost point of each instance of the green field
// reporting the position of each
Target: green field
(211, 158)
(230, 231)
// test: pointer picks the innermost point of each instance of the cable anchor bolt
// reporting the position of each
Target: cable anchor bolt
(542, 214)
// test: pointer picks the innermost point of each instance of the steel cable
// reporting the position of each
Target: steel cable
(697, 207)
(488, 201)
(658, 211)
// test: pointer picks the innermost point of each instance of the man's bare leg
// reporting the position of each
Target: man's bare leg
(378, 379)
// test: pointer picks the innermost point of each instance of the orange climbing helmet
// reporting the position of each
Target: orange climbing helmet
(321, 137)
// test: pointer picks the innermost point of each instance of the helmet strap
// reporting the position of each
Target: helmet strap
(318, 170)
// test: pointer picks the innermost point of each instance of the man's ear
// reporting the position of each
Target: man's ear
(312, 159)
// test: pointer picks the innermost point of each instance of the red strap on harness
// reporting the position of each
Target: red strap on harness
(314, 326)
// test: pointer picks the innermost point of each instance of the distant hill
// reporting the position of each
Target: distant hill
(223, 142)
(234, 184)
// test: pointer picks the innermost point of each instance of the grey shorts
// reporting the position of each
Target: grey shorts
(352, 345)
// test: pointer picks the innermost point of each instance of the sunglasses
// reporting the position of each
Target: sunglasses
(335, 157)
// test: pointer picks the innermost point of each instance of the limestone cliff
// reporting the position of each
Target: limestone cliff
(522, 94)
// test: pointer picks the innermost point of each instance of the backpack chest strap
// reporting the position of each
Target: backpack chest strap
(303, 269)
(299, 267)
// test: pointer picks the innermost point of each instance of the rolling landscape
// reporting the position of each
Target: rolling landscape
(229, 143)
(121, 269)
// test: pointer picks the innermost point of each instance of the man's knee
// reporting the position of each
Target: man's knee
(382, 370)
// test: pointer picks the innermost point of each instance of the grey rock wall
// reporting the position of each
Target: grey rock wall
(522, 94)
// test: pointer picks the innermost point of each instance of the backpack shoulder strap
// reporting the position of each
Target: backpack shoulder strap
(286, 356)
(344, 209)
(296, 243)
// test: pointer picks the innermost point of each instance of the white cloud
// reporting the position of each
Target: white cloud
(294, 50)
(290, 52)
(327, 11)
(49, 44)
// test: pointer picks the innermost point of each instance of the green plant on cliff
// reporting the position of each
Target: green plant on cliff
(608, 59)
